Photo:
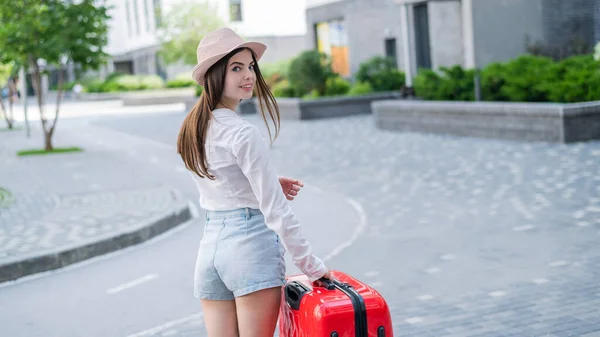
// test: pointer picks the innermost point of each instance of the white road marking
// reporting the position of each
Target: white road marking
(131, 284)
(558, 263)
(540, 281)
(432, 270)
(447, 257)
(497, 293)
(522, 228)
(414, 320)
(168, 325)
(425, 297)
(362, 224)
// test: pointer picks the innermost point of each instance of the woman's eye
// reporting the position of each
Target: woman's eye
(236, 68)
(252, 68)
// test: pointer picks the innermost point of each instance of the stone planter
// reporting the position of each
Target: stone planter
(548, 122)
(330, 107)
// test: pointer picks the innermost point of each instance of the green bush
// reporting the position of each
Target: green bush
(93, 85)
(283, 89)
(313, 94)
(576, 79)
(360, 88)
(524, 79)
(426, 84)
(132, 83)
(275, 72)
(336, 86)
(121, 83)
(199, 90)
(381, 73)
(453, 83)
(113, 76)
(150, 82)
(309, 71)
(181, 81)
(519, 80)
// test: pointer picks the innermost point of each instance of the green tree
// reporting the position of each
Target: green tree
(381, 73)
(52, 33)
(309, 71)
(182, 28)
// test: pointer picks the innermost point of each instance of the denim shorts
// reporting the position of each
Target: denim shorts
(238, 255)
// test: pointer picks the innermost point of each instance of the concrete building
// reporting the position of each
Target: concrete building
(434, 33)
(132, 38)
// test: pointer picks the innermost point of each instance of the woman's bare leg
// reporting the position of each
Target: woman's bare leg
(220, 318)
(257, 312)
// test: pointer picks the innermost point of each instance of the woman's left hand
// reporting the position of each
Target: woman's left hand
(290, 187)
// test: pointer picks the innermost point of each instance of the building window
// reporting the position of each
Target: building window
(235, 10)
(423, 49)
(390, 50)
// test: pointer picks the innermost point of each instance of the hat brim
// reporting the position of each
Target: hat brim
(201, 68)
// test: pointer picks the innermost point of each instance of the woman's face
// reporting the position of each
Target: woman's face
(239, 77)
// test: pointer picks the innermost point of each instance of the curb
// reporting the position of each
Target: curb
(66, 256)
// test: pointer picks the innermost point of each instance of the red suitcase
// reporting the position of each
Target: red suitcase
(342, 307)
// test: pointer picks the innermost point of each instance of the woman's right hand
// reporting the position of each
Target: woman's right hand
(327, 275)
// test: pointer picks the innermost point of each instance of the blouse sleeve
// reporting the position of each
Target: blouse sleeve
(252, 154)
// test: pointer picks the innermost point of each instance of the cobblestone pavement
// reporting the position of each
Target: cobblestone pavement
(66, 200)
(465, 236)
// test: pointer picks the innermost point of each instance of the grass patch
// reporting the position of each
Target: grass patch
(6, 198)
(35, 152)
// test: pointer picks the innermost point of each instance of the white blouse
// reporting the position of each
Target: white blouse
(238, 157)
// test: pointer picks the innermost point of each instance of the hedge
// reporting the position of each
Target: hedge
(524, 79)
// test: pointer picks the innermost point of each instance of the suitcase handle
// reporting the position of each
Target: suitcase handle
(293, 294)
(330, 283)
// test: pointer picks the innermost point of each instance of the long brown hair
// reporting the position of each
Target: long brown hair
(192, 135)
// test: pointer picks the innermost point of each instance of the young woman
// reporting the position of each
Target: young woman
(240, 266)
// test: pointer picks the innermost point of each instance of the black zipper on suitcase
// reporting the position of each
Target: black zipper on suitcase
(360, 310)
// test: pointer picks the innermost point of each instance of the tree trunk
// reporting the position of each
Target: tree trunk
(48, 141)
(58, 100)
(37, 88)
(9, 121)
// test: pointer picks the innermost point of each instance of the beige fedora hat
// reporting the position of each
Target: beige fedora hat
(217, 44)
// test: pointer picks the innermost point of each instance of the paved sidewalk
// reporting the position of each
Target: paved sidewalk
(73, 206)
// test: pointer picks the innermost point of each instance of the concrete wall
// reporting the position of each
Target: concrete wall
(368, 22)
(546, 122)
(500, 28)
(445, 33)
(568, 20)
(282, 47)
